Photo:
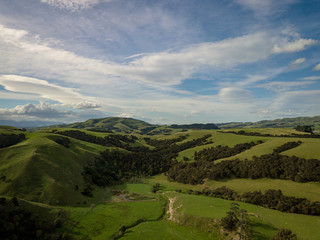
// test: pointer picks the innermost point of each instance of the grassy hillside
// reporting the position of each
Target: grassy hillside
(278, 123)
(116, 124)
(39, 169)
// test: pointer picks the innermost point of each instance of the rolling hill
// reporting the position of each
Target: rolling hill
(52, 168)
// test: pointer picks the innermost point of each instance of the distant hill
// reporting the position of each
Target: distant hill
(278, 123)
(115, 124)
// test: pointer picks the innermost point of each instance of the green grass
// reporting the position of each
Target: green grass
(265, 221)
(167, 230)
(104, 220)
(38, 169)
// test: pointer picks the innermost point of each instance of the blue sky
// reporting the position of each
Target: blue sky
(175, 61)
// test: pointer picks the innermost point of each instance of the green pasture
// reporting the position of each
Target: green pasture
(168, 230)
(104, 220)
(265, 222)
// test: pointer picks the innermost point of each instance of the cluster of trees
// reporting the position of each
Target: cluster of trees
(242, 132)
(237, 220)
(7, 140)
(304, 128)
(113, 167)
(284, 234)
(275, 166)
(112, 140)
(18, 223)
(64, 141)
(287, 146)
(276, 200)
(273, 199)
(214, 153)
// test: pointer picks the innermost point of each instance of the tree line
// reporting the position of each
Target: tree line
(274, 165)
(7, 140)
(214, 153)
(257, 134)
(111, 140)
(271, 198)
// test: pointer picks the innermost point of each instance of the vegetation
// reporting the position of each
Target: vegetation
(273, 165)
(7, 140)
(214, 153)
(69, 178)
(278, 123)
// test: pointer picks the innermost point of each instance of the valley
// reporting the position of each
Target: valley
(118, 178)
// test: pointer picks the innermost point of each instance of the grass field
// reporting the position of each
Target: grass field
(265, 222)
(167, 230)
(104, 220)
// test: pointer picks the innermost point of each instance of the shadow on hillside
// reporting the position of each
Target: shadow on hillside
(258, 230)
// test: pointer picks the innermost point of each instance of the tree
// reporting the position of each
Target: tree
(285, 234)
(243, 224)
(231, 220)
(237, 220)
(155, 188)
(304, 128)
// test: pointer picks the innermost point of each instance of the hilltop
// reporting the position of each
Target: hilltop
(277, 123)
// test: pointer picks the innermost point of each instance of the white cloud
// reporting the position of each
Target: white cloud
(295, 46)
(42, 110)
(35, 57)
(72, 5)
(311, 78)
(298, 61)
(233, 94)
(279, 86)
(317, 67)
(45, 90)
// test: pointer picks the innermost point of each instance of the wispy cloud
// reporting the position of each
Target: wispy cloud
(167, 68)
(279, 86)
(265, 7)
(311, 78)
(73, 5)
(46, 90)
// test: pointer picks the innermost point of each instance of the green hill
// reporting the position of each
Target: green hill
(277, 123)
(116, 124)
(39, 169)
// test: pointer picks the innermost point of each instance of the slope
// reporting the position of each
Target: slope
(39, 169)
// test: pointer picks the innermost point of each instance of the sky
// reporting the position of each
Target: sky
(161, 61)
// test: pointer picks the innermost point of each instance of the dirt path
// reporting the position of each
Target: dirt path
(172, 212)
